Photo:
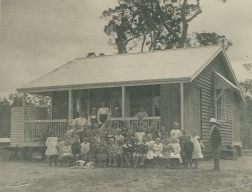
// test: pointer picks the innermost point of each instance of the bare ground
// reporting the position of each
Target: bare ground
(38, 176)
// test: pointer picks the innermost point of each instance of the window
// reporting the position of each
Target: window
(223, 105)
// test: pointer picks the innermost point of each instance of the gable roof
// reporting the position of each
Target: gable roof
(179, 65)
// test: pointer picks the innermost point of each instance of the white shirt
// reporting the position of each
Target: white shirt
(175, 133)
(80, 121)
(102, 111)
(140, 136)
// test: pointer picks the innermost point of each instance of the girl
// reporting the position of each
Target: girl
(102, 152)
(51, 151)
(150, 145)
(175, 155)
(140, 134)
(61, 145)
(67, 153)
(111, 151)
(196, 155)
(136, 152)
(158, 148)
(84, 149)
(119, 151)
(166, 152)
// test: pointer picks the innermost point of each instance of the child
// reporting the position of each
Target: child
(76, 148)
(51, 151)
(136, 151)
(92, 149)
(67, 153)
(182, 142)
(162, 134)
(93, 118)
(112, 151)
(158, 148)
(61, 145)
(109, 134)
(154, 130)
(97, 136)
(166, 152)
(197, 149)
(143, 153)
(118, 136)
(140, 134)
(175, 133)
(127, 150)
(70, 131)
(102, 152)
(119, 151)
(175, 155)
(84, 149)
(188, 149)
(150, 145)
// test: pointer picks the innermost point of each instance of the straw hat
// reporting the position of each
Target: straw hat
(213, 120)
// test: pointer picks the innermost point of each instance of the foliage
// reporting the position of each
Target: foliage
(158, 24)
(246, 114)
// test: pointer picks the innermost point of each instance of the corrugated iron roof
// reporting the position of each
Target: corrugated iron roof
(156, 66)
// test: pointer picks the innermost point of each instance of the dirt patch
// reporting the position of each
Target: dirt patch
(38, 176)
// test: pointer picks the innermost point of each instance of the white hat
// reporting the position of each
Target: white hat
(213, 120)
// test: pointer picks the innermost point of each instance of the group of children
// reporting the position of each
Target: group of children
(132, 146)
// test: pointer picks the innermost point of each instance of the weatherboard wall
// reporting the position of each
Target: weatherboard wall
(205, 81)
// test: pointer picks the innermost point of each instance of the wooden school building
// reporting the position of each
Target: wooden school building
(189, 85)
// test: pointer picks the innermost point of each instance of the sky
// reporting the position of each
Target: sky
(37, 36)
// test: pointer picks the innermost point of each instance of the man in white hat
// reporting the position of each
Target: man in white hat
(215, 142)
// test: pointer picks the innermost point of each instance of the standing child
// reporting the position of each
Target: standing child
(158, 148)
(51, 151)
(188, 149)
(119, 151)
(61, 145)
(197, 149)
(76, 148)
(84, 149)
(127, 149)
(143, 153)
(111, 151)
(102, 152)
(166, 152)
(175, 154)
(182, 142)
(92, 149)
(150, 145)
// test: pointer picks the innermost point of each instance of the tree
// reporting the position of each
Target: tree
(158, 24)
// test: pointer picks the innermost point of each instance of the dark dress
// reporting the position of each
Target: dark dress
(117, 112)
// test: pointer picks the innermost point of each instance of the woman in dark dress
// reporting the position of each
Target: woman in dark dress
(116, 110)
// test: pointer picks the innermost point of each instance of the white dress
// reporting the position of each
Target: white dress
(51, 143)
(197, 149)
(140, 136)
(176, 151)
(158, 149)
(150, 153)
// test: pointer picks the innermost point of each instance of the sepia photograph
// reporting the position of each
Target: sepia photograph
(126, 95)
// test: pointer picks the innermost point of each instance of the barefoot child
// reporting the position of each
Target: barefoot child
(76, 148)
(67, 153)
(111, 151)
(119, 151)
(102, 152)
(136, 151)
(150, 154)
(197, 149)
(51, 151)
(166, 152)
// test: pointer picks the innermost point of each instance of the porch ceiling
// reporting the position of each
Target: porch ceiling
(179, 65)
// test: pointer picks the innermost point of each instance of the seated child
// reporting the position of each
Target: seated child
(158, 148)
(140, 134)
(182, 142)
(118, 136)
(136, 151)
(119, 151)
(154, 130)
(143, 153)
(188, 150)
(112, 152)
(51, 151)
(162, 134)
(61, 145)
(97, 136)
(175, 153)
(70, 130)
(67, 153)
(109, 135)
(166, 152)
(150, 145)
(127, 150)
(76, 148)
(84, 149)
(197, 149)
(102, 152)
